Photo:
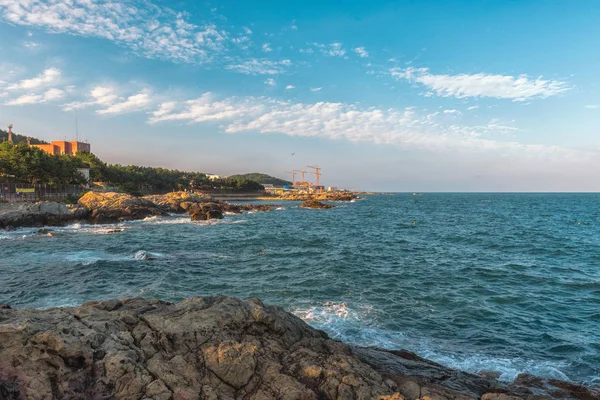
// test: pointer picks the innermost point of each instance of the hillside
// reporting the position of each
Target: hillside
(18, 138)
(263, 179)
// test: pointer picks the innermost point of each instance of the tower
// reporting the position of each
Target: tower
(10, 139)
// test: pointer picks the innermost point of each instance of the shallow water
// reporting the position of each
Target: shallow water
(509, 282)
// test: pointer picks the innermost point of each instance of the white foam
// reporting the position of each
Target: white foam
(146, 255)
(357, 325)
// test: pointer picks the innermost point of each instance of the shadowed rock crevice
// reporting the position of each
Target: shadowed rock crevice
(220, 348)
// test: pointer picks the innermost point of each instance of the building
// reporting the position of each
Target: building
(213, 177)
(63, 147)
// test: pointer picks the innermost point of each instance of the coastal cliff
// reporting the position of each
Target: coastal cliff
(220, 348)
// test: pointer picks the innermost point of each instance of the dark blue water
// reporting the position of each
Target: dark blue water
(509, 282)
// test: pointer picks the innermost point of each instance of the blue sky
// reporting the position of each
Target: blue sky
(384, 95)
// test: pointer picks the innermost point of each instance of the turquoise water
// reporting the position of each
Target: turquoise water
(509, 282)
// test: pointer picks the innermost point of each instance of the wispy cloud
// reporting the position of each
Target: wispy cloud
(288, 87)
(107, 101)
(316, 89)
(593, 106)
(136, 102)
(270, 82)
(333, 49)
(406, 128)
(48, 95)
(518, 88)
(472, 108)
(361, 51)
(48, 77)
(257, 66)
(151, 31)
(266, 47)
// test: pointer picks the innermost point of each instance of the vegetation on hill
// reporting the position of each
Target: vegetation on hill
(18, 138)
(21, 163)
(263, 179)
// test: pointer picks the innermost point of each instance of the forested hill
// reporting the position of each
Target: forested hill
(263, 179)
(18, 138)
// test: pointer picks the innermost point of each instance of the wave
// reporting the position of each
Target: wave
(357, 325)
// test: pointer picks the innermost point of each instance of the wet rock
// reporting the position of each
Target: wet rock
(489, 375)
(316, 205)
(47, 232)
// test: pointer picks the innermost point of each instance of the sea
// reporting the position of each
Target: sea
(504, 282)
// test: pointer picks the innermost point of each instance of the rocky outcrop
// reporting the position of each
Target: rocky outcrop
(107, 207)
(205, 211)
(315, 204)
(218, 348)
(172, 202)
(41, 214)
(326, 196)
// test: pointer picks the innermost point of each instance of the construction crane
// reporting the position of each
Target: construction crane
(302, 182)
(317, 173)
(293, 173)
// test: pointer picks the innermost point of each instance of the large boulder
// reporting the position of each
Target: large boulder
(205, 211)
(108, 207)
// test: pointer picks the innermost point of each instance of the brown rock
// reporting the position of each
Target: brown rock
(214, 348)
(315, 204)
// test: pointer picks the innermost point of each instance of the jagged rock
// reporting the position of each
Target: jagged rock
(40, 214)
(316, 204)
(213, 347)
(174, 202)
(111, 207)
(217, 348)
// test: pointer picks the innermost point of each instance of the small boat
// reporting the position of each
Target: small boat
(417, 194)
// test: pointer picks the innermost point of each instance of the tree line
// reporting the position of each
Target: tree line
(24, 164)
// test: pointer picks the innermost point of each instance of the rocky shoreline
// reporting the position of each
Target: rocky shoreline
(103, 208)
(222, 348)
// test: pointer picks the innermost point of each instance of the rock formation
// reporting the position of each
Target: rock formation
(110, 207)
(172, 202)
(316, 204)
(219, 348)
(41, 214)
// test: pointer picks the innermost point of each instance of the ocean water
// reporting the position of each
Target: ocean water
(509, 282)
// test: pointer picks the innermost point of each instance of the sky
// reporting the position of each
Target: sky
(471, 95)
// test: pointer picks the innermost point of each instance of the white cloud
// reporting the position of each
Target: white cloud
(406, 128)
(48, 95)
(150, 31)
(206, 108)
(133, 103)
(266, 47)
(472, 108)
(290, 87)
(48, 77)
(361, 51)
(482, 85)
(108, 101)
(593, 106)
(255, 66)
(270, 82)
(316, 89)
(247, 30)
(31, 44)
(333, 50)
(452, 112)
